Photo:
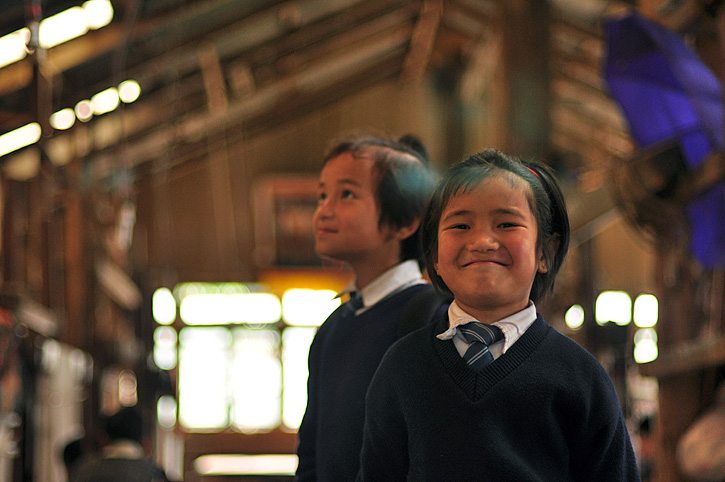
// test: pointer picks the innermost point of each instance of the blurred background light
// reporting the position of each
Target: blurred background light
(13, 46)
(63, 119)
(166, 411)
(105, 101)
(308, 307)
(574, 317)
(19, 138)
(242, 464)
(646, 311)
(97, 13)
(129, 91)
(222, 309)
(613, 306)
(163, 306)
(645, 345)
(84, 110)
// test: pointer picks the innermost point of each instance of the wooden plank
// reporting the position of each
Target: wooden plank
(197, 444)
(686, 357)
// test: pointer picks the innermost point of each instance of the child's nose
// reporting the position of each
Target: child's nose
(483, 240)
(325, 208)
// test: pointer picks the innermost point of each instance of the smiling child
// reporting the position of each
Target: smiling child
(490, 391)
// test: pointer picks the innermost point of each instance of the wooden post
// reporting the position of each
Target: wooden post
(77, 289)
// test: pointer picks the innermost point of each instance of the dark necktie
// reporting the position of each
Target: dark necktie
(354, 303)
(480, 336)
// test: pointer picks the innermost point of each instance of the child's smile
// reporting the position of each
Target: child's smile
(487, 248)
(485, 261)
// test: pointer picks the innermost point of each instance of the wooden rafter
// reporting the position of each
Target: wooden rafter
(422, 40)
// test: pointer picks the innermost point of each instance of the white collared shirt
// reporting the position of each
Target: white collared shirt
(395, 279)
(513, 327)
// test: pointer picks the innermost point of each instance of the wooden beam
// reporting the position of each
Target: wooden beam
(77, 289)
(422, 41)
(321, 76)
(687, 357)
(214, 85)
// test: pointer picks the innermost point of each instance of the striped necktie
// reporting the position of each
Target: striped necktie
(480, 336)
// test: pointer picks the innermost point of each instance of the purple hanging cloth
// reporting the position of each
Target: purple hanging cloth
(667, 94)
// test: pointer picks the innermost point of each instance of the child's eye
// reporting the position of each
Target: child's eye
(347, 194)
(459, 226)
(508, 225)
(321, 196)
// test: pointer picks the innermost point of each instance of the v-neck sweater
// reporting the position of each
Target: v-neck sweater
(545, 410)
(343, 358)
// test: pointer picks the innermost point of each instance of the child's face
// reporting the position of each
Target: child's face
(487, 248)
(347, 217)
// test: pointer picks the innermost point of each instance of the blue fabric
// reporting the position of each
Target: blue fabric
(667, 94)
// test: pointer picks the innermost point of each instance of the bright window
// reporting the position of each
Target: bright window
(242, 354)
(295, 349)
(203, 375)
(256, 380)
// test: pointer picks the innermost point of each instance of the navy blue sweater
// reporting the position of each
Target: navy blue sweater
(343, 357)
(544, 411)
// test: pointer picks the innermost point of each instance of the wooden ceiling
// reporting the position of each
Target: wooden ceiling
(225, 65)
(240, 66)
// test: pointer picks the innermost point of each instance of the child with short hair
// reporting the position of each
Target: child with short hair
(490, 391)
(372, 195)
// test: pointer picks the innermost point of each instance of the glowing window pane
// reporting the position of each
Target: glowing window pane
(645, 345)
(163, 306)
(295, 350)
(165, 357)
(615, 306)
(574, 317)
(221, 308)
(203, 371)
(306, 307)
(646, 311)
(645, 334)
(166, 411)
(165, 347)
(256, 380)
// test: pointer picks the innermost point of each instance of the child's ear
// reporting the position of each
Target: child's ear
(407, 231)
(542, 265)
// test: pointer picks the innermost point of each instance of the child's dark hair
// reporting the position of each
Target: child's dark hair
(545, 199)
(404, 181)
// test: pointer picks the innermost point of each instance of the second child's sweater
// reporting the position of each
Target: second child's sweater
(343, 358)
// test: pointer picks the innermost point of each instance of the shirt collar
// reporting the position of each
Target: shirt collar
(391, 281)
(512, 326)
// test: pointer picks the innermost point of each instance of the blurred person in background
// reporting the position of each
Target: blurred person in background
(123, 458)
